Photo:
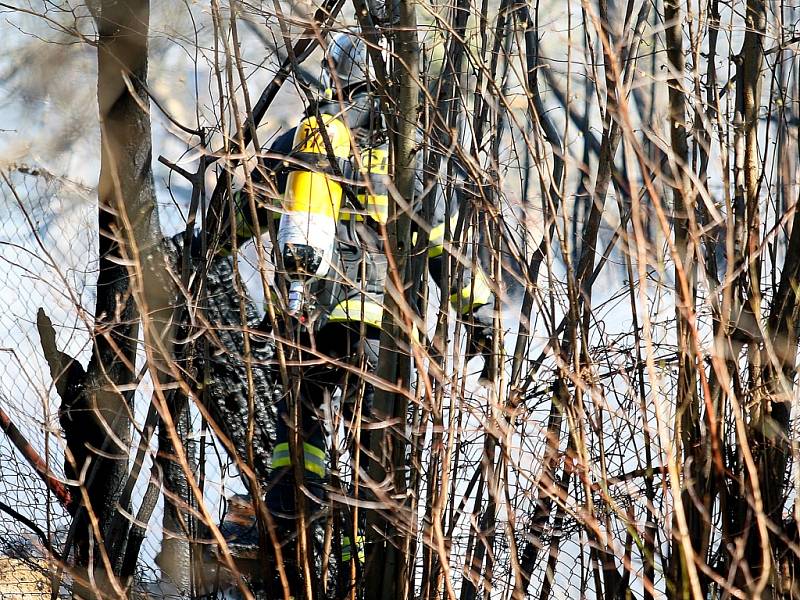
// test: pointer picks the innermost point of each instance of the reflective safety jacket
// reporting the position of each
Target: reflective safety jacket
(351, 290)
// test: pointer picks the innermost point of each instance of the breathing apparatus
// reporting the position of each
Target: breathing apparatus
(307, 229)
(313, 200)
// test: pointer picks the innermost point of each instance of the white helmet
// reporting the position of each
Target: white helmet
(346, 64)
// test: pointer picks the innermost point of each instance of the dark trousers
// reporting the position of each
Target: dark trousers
(355, 353)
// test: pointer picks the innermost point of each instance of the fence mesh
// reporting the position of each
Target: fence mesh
(49, 262)
(645, 404)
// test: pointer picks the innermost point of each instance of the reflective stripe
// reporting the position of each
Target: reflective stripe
(372, 191)
(346, 552)
(375, 206)
(314, 458)
(280, 455)
(435, 251)
(346, 215)
(378, 200)
(436, 237)
(375, 161)
(369, 312)
(474, 294)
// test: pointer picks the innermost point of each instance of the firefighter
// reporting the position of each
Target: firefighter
(333, 201)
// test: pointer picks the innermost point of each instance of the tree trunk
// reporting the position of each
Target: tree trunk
(687, 417)
(387, 575)
(175, 558)
(96, 419)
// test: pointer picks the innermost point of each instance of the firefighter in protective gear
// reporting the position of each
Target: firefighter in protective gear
(333, 201)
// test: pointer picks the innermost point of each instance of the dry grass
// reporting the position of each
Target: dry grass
(19, 581)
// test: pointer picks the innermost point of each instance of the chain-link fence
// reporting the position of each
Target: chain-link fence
(47, 236)
(49, 258)
(49, 263)
(634, 214)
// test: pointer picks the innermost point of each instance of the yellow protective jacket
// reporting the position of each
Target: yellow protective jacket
(352, 290)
